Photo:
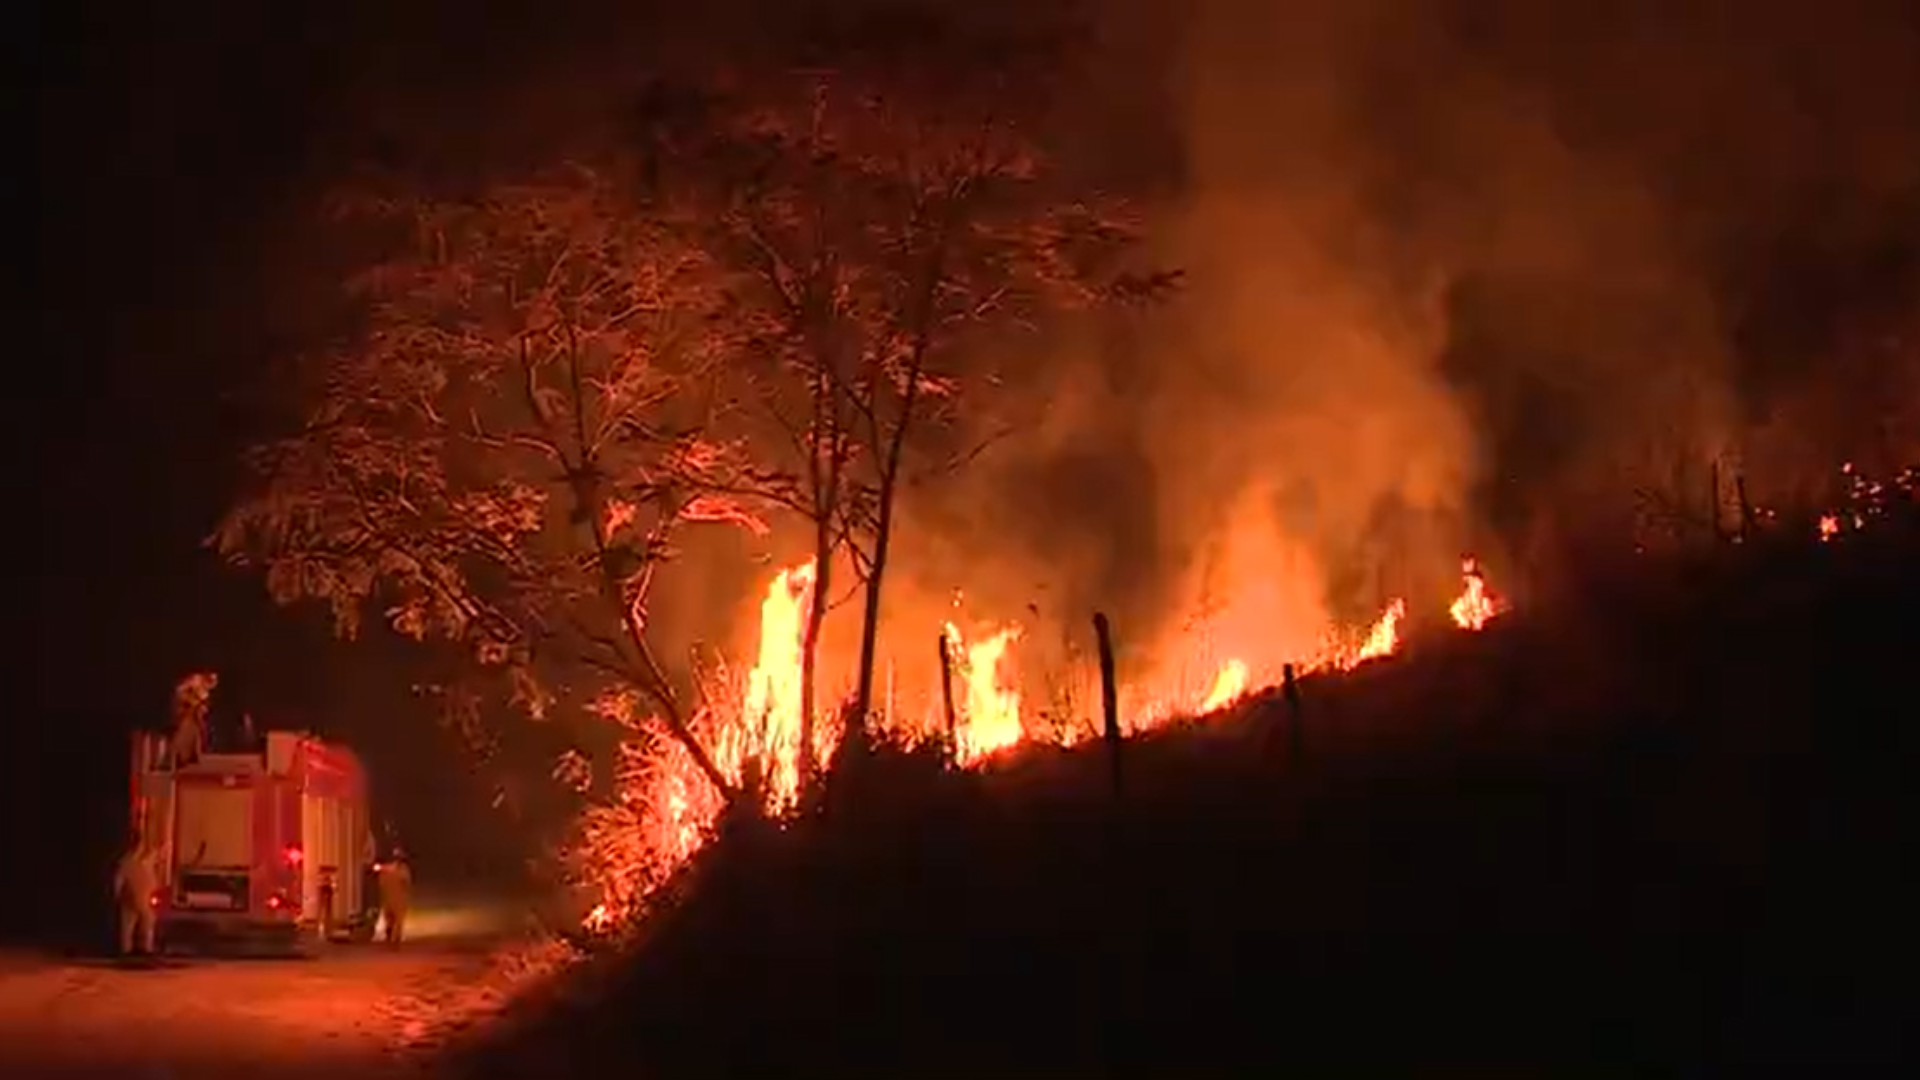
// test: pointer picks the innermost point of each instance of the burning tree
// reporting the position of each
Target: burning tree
(508, 457)
(885, 218)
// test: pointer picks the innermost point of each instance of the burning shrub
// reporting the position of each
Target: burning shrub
(660, 812)
(660, 809)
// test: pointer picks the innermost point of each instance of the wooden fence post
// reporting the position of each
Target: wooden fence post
(1290, 690)
(946, 699)
(1109, 696)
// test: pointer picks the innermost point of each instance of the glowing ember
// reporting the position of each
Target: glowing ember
(1228, 686)
(1868, 500)
(1474, 607)
(992, 717)
(599, 920)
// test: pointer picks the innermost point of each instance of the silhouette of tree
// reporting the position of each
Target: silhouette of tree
(508, 456)
(887, 211)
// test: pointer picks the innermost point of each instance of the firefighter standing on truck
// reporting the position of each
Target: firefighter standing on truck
(396, 893)
(135, 881)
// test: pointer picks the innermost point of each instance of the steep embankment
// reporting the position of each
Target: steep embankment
(1660, 829)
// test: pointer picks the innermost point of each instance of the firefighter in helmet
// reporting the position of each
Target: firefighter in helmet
(135, 881)
(396, 894)
(192, 698)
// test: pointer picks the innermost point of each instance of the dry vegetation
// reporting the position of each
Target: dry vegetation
(1651, 834)
(792, 301)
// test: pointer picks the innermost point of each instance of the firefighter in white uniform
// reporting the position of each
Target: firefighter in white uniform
(135, 881)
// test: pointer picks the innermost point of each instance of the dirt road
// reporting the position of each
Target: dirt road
(366, 1013)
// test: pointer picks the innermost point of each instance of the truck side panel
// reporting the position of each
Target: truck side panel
(331, 853)
(313, 830)
(282, 856)
(337, 790)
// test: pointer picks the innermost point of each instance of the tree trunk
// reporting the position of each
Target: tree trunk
(882, 541)
(856, 733)
(810, 642)
(683, 733)
(655, 684)
(883, 521)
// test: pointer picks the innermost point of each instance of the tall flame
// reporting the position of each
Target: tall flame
(1475, 606)
(1383, 639)
(666, 808)
(771, 720)
(992, 719)
(1228, 685)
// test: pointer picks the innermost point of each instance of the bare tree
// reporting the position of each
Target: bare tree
(884, 221)
(507, 458)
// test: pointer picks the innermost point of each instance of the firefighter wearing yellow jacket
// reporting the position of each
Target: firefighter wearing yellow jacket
(396, 895)
(135, 881)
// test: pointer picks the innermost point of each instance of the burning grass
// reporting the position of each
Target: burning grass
(942, 873)
(1649, 837)
(663, 812)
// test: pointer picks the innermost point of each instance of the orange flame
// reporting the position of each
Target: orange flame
(1383, 639)
(664, 807)
(770, 725)
(1475, 606)
(658, 819)
(992, 712)
(1228, 686)
(669, 807)
(598, 920)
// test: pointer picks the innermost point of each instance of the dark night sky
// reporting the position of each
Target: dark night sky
(172, 141)
(175, 146)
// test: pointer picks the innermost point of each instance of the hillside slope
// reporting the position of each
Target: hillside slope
(1660, 830)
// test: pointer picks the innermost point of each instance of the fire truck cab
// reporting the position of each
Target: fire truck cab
(258, 847)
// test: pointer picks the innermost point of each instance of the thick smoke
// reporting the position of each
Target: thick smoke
(1461, 277)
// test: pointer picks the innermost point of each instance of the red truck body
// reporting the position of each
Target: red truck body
(273, 843)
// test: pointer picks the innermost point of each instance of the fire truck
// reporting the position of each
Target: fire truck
(266, 846)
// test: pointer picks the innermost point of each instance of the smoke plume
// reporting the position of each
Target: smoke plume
(1461, 277)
